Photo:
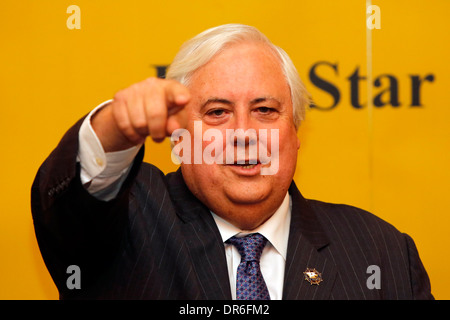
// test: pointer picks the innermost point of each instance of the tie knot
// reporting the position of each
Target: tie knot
(250, 247)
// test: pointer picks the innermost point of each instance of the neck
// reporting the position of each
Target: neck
(247, 217)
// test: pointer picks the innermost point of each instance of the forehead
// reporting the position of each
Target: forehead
(241, 71)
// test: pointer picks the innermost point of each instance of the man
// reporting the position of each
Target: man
(138, 234)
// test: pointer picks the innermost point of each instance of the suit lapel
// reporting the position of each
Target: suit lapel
(306, 241)
(202, 239)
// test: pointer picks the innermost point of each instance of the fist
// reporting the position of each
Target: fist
(153, 107)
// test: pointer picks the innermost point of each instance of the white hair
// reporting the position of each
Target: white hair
(199, 50)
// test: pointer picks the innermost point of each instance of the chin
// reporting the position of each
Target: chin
(246, 197)
(247, 216)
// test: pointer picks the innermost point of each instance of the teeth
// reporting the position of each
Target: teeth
(248, 166)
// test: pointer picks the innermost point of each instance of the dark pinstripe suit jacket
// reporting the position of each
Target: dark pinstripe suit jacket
(157, 241)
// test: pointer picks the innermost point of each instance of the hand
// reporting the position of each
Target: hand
(153, 107)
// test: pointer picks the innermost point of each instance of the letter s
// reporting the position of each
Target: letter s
(325, 85)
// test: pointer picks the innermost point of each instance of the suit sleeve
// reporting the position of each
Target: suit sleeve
(420, 281)
(73, 227)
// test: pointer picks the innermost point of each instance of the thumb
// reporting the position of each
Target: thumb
(178, 120)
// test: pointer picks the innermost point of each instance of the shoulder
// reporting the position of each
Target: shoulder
(155, 184)
(150, 181)
(345, 217)
(148, 174)
(354, 227)
(360, 238)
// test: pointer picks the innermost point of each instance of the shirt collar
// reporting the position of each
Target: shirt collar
(275, 229)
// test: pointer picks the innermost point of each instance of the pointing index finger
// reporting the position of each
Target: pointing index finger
(177, 94)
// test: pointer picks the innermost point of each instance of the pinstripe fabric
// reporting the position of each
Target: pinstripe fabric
(157, 241)
(342, 242)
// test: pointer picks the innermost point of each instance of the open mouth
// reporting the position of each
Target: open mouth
(246, 165)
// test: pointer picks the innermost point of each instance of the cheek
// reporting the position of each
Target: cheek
(214, 146)
(288, 148)
(279, 141)
(200, 178)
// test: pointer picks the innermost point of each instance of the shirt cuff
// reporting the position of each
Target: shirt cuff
(99, 169)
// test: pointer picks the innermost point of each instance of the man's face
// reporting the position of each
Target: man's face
(243, 87)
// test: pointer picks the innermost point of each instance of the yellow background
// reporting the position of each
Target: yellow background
(390, 161)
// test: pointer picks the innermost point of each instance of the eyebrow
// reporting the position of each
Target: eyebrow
(264, 99)
(230, 103)
(216, 100)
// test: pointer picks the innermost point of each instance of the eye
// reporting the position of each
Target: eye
(216, 112)
(265, 109)
(265, 113)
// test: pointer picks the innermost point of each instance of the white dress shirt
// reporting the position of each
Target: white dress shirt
(273, 258)
(102, 174)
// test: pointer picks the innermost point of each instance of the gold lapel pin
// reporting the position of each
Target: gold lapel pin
(313, 276)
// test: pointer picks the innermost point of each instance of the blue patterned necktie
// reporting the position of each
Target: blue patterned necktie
(250, 284)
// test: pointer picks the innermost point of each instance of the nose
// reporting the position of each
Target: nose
(244, 132)
(244, 138)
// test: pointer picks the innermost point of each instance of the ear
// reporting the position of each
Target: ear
(173, 155)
